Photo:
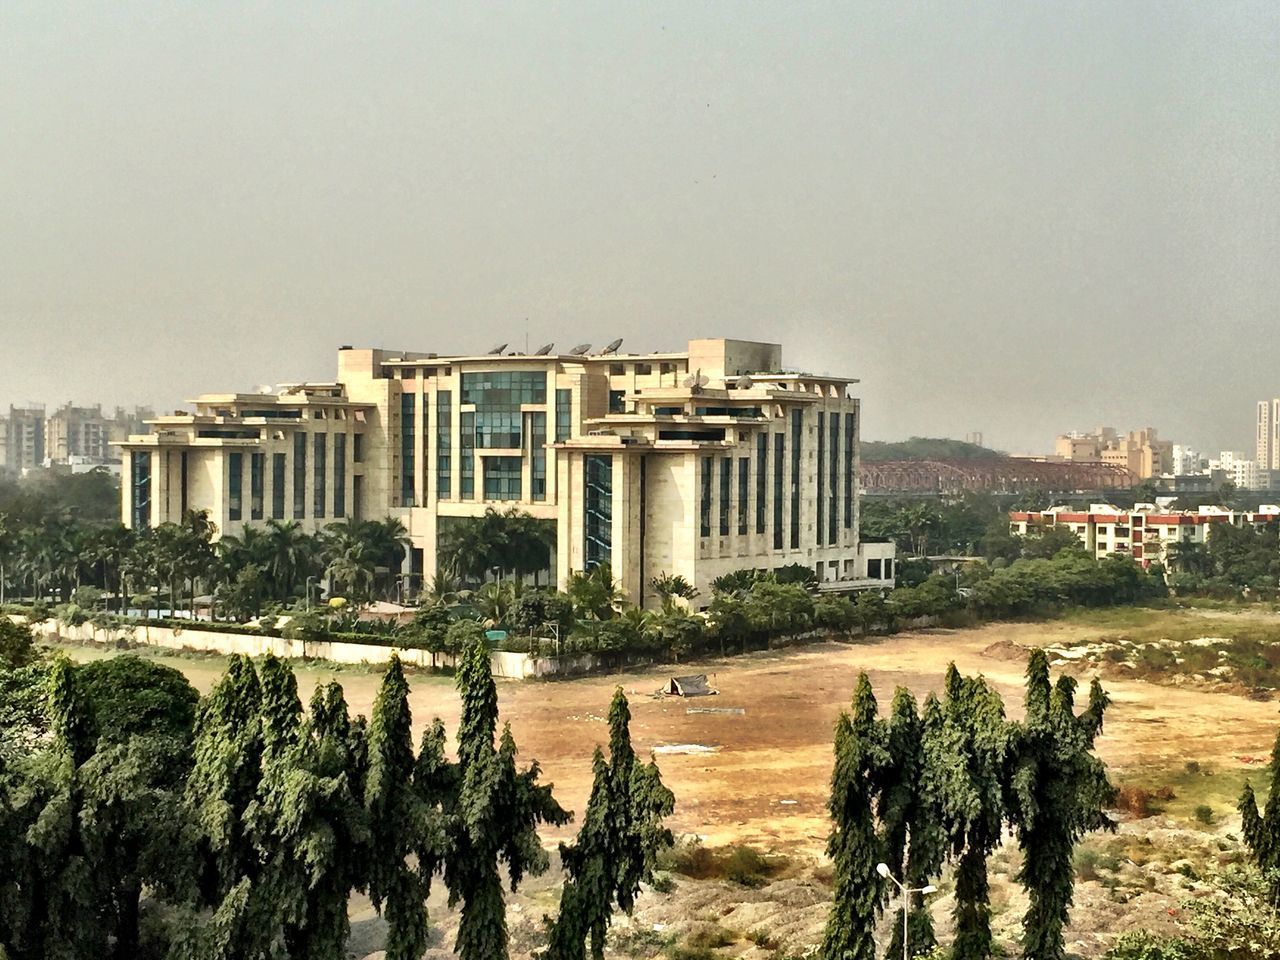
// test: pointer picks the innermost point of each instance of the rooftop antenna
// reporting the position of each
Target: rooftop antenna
(612, 347)
(544, 350)
(580, 349)
(695, 381)
(498, 349)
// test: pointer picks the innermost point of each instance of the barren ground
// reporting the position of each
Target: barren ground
(766, 781)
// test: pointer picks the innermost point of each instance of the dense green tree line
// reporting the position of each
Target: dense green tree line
(916, 789)
(139, 820)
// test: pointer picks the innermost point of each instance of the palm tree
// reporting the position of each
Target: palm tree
(351, 572)
(290, 551)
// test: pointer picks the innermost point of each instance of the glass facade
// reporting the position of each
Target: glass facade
(257, 480)
(744, 491)
(299, 475)
(467, 455)
(444, 444)
(704, 500)
(564, 414)
(339, 475)
(726, 483)
(779, 465)
(848, 470)
(538, 456)
(235, 486)
(320, 470)
(497, 396)
(502, 478)
(762, 479)
(833, 503)
(277, 486)
(797, 440)
(597, 472)
(408, 448)
(822, 477)
(140, 470)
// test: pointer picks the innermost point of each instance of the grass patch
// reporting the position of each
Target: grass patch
(712, 937)
(1185, 789)
(738, 863)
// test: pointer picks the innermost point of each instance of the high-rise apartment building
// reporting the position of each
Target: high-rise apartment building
(1268, 434)
(695, 463)
(23, 436)
(1141, 452)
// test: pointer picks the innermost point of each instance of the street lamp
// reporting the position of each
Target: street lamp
(883, 870)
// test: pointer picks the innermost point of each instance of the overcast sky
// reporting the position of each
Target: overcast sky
(1017, 218)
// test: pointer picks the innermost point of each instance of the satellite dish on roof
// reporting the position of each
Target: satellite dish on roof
(498, 349)
(695, 381)
(612, 347)
(580, 349)
(745, 383)
(544, 350)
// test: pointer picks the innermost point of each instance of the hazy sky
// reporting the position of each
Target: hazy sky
(1017, 218)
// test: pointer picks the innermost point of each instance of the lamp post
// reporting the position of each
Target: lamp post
(883, 870)
(308, 589)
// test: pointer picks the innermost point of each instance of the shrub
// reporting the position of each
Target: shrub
(713, 936)
(1204, 813)
(1142, 945)
(1088, 863)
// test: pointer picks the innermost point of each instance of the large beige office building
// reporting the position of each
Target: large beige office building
(695, 463)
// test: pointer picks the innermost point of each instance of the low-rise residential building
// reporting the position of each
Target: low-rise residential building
(1144, 533)
(1241, 470)
(695, 463)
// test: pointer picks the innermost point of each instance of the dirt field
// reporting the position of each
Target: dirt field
(765, 781)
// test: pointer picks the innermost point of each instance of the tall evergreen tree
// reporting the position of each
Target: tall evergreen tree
(494, 818)
(1059, 791)
(966, 742)
(398, 820)
(909, 813)
(1262, 832)
(617, 846)
(854, 846)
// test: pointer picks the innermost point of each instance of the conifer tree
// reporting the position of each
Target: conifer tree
(1059, 791)
(616, 847)
(397, 819)
(909, 813)
(854, 846)
(1262, 832)
(966, 742)
(494, 817)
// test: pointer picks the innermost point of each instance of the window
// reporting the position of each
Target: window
(538, 456)
(357, 447)
(497, 396)
(726, 480)
(501, 478)
(339, 475)
(408, 446)
(615, 401)
(644, 369)
(235, 485)
(762, 478)
(277, 486)
(299, 475)
(848, 470)
(874, 569)
(320, 470)
(704, 504)
(821, 501)
(564, 414)
(665, 367)
(833, 505)
(183, 481)
(467, 450)
(744, 492)
(598, 519)
(616, 370)
(140, 471)
(444, 444)
(779, 465)
(257, 467)
(797, 437)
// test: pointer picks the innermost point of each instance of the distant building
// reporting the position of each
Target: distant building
(1144, 533)
(1141, 452)
(1268, 434)
(1187, 461)
(696, 463)
(1241, 470)
(23, 436)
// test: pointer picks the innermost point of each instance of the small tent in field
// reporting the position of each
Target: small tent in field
(695, 686)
